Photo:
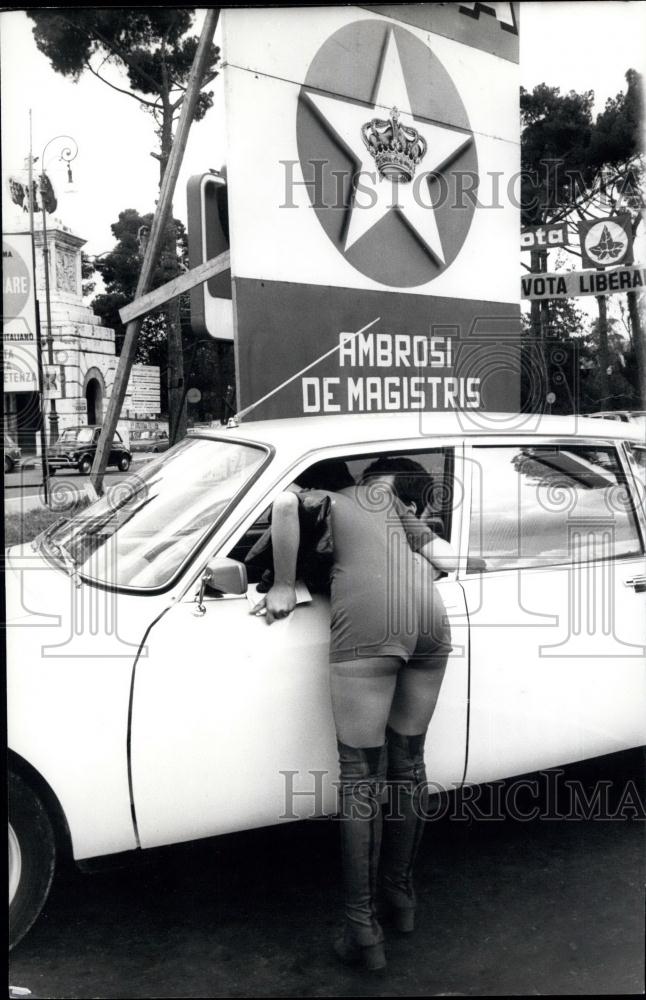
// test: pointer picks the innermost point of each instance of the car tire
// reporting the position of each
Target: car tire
(124, 463)
(32, 857)
(85, 465)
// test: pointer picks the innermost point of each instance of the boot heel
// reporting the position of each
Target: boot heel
(373, 957)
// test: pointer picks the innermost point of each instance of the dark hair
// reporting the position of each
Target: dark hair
(330, 474)
(411, 482)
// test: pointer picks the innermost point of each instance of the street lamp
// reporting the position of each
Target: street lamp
(67, 153)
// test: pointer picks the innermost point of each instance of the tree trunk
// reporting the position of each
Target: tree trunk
(603, 358)
(635, 311)
(538, 325)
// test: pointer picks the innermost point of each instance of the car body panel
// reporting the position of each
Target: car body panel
(72, 679)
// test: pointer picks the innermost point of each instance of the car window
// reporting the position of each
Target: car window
(546, 505)
(638, 454)
(334, 473)
(140, 534)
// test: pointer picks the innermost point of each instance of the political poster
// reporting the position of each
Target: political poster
(19, 330)
(565, 285)
(370, 197)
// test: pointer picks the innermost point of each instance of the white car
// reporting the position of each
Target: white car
(134, 664)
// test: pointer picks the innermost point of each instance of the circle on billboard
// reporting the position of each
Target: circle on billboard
(387, 153)
(15, 281)
(606, 242)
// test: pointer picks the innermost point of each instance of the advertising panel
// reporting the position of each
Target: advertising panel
(370, 182)
(19, 330)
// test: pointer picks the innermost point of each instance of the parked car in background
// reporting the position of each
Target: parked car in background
(150, 440)
(11, 453)
(131, 649)
(76, 448)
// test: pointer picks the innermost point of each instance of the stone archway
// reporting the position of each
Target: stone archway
(94, 391)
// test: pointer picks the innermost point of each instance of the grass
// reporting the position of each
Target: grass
(22, 527)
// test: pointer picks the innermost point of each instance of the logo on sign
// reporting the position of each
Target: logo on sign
(385, 164)
(606, 241)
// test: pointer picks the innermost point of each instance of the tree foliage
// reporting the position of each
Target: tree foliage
(120, 272)
(149, 44)
(555, 143)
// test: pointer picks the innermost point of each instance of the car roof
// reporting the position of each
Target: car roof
(316, 432)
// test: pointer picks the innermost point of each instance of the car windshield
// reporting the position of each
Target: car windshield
(82, 434)
(141, 532)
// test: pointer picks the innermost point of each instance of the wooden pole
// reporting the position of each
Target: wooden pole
(39, 345)
(176, 286)
(155, 243)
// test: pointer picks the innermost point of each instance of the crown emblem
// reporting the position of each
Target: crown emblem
(397, 149)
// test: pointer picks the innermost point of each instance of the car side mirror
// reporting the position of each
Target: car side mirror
(224, 576)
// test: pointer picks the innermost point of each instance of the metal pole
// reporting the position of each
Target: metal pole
(155, 243)
(39, 346)
(53, 415)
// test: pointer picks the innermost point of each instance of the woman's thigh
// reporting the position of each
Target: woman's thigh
(362, 693)
(416, 693)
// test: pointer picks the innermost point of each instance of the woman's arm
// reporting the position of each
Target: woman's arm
(440, 554)
(423, 540)
(280, 601)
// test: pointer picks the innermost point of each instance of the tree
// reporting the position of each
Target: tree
(566, 348)
(617, 149)
(152, 47)
(555, 139)
(208, 364)
(120, 270)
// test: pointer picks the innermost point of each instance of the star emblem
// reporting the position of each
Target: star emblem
(412, 200)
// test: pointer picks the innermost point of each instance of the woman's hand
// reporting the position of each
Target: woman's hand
(279, 602)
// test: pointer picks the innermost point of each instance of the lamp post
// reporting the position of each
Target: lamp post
(67, 153)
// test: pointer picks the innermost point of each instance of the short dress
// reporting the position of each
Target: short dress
(384, 601)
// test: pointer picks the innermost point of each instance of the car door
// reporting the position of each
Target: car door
(558, 624)
(231, 722)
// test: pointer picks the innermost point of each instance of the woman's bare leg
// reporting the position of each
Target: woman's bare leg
(416, 693)
(362, 693)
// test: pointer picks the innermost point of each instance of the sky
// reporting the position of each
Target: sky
(581, 46)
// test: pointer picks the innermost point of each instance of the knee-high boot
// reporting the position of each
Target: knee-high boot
(362, 785)
(403, 824)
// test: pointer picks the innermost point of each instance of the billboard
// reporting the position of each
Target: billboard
(19, 330)
(370, 195)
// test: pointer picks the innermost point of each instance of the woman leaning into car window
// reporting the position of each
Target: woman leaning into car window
(389, 646)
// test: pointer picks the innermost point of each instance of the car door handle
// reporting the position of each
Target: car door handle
(638, 583)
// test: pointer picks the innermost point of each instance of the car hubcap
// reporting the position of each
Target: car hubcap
(15, 863)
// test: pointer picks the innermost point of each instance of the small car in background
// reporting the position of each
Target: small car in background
(150, 440)
(76, 448)
(11, 453)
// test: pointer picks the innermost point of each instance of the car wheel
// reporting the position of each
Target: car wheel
(32, 857)
(85, 465)
(124, 463)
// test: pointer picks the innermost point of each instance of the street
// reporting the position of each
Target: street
(26, 481)
(546, 906)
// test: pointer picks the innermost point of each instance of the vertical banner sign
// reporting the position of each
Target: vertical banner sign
(20, 347)
(373, 161)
